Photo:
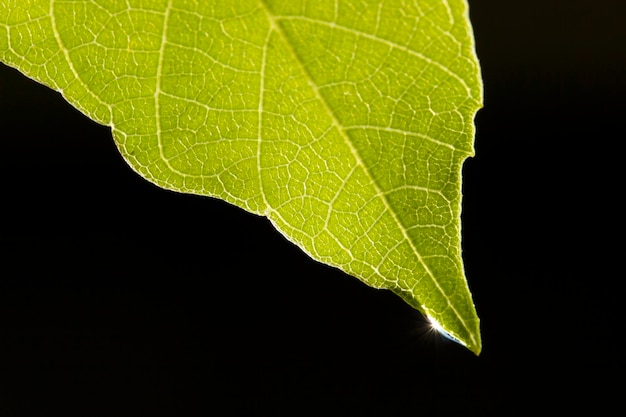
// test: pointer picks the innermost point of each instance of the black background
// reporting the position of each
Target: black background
(109, 306)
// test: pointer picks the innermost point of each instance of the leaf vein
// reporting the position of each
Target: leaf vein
(344, 133)
(68, 59)
(387, 42)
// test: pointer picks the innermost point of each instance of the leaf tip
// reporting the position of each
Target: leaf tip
(474, 343)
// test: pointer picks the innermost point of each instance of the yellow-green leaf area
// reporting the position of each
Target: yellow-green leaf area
(345, 122)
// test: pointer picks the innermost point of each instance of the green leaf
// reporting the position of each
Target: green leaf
(345, 122)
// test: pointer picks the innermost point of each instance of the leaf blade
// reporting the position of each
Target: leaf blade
(313, 115)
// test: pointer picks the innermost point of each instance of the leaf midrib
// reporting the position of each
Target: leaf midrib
(275, 26)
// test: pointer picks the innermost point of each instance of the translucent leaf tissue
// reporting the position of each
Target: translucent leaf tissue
(345, 122)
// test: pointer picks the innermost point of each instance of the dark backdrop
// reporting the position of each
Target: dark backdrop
(109, 306)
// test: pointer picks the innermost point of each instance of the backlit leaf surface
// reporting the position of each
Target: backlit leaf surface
(345, 122)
